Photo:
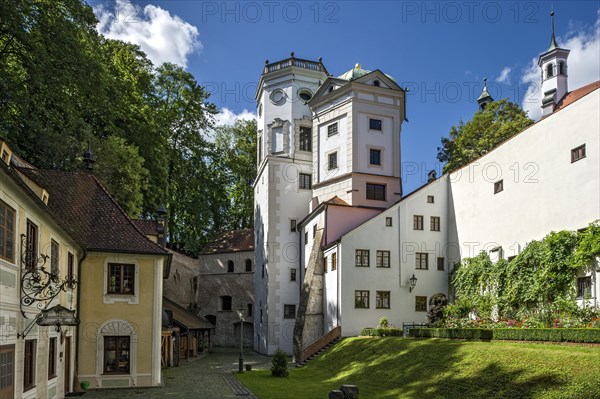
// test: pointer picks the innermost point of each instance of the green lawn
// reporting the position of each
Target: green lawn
(396, 367)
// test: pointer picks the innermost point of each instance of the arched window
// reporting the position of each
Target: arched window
(248, 265)
(561, 68)
(549, 71)
(229, 266)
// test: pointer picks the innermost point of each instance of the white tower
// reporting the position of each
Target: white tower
(554, 74)
(282, 191)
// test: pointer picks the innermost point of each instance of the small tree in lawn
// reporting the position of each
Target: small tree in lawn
(279, 366)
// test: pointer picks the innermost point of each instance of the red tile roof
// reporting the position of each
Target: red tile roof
(576, 94)
(98, 223)
(336, 201)
(230, 241)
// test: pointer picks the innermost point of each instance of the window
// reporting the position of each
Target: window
(549, 71)
(121, 278)
(225, 303)
(70, 269)
(259, 149)
(382, 299)
(577, 153)
(29, 365)
(332, 129)
(561, 68)
(325, 264)
(584, 287)
(434, 224)
(230, 266)
(376, 83)
(31, 245)
(263, 271)
(376, 191)
(4, 156)
(361, 299)
(421, 261)
(332, 161)
(383, 259)
(362, 258)
(52, 358)
(374, 157)
(292, 274)
(306, 238)
(305, 181)
(417, 222)
(430, 199)
(374, 124)
(333, 261)
(248, 265)
(54, 257)
(289, 311)
(293, 225)
(305, 139)
(116, 354)
(421, 304)
(388, 221)
(498, 186)
(314, 231)
(249, 311)
(440, 263)
(7, 232)
(305, 95)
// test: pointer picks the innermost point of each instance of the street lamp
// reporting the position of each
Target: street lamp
(413, 282)
(240, 312)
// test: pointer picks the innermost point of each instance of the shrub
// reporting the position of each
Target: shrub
(581, 335)
(383, 322)
(382, 332)
(279, 363)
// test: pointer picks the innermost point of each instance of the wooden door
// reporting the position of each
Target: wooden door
(67, 360)
(7, 372)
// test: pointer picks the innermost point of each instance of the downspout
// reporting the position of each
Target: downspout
(79, 280)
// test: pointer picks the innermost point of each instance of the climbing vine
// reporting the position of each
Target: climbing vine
(540, 281)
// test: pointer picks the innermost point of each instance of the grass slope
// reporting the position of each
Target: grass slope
(395, 367)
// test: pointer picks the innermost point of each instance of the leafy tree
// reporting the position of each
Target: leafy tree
(236, 146)
(499, 121)
(279, 367)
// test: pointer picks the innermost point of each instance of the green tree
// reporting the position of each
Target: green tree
(236, 147)
(499, 121)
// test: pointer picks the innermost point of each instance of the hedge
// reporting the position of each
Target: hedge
(382, 332)
(581, 335)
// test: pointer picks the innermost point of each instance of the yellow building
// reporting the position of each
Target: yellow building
(35, 361)
(120, 273)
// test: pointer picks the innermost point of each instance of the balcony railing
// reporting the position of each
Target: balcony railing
(294, 62)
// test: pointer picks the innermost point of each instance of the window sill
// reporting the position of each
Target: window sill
(25, 389)
(578, 159)
(109, 373)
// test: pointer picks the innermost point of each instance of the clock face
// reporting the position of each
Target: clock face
(277, 96)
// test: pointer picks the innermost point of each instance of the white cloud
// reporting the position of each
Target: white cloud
(583, 66)
(504, 75)
(162, 36)
(228, 117)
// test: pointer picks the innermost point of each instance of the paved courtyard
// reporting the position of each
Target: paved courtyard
(206, 377)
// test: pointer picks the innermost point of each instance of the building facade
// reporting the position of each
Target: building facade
(365, 250)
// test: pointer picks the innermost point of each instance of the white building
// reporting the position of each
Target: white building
(361, 241)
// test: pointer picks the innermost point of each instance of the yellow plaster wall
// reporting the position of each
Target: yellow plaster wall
(95, 312)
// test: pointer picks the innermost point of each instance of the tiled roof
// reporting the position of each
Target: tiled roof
(576, 94)
(186, 318)
(93, 216)
(336, 201)
(230, 241)
(147, 227)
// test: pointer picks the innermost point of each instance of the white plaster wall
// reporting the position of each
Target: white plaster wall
(330, 291)
(382, 140)
(334, 143)
(543, 190)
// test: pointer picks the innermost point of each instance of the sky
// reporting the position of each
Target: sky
(439, 50)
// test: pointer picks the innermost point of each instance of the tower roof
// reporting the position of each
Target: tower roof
(485, 94)
(553, 44)
(358, 72)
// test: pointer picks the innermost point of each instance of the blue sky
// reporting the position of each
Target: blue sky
(440, 50)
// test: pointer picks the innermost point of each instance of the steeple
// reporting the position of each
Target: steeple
(553, 64)
(553, 44)
(485, 98)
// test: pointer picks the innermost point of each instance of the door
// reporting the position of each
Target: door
(67, 365)
(7, 372)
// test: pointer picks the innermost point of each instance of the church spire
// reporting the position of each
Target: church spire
(553, 44)
(485, 98)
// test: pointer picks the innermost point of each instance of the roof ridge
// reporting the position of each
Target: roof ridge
(105, 190)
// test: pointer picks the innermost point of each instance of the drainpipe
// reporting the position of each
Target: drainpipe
(79, 280)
